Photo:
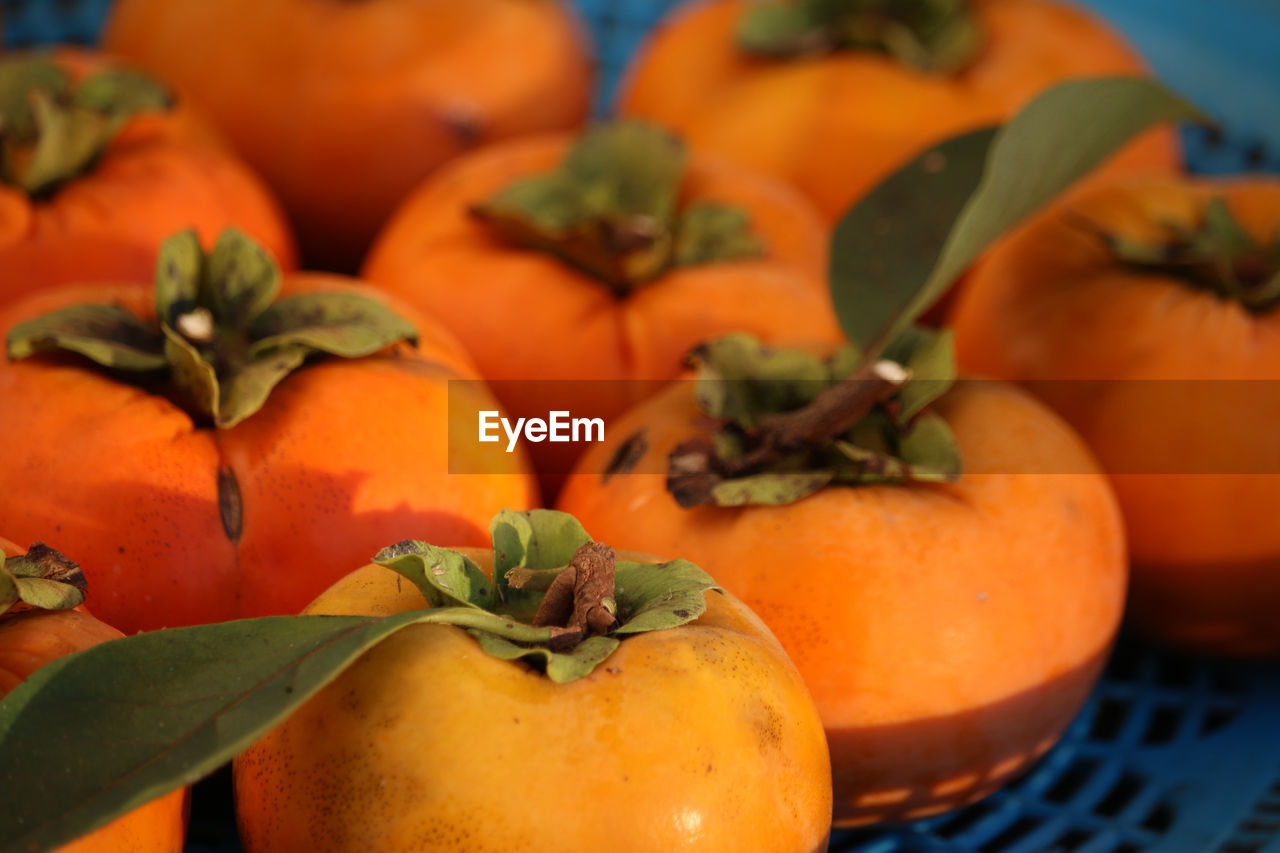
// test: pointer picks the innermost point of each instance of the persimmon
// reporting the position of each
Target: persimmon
(33, 637)
(948, 625)
(345, 107)
(1145, 312)
(697, 736)
(204, 476)
(834, 96)
(655, 250)
(99, 166)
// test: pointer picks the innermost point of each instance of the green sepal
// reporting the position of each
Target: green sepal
(938, 36)
(611, 208)
(745, 387)
(536, 540)
(714, 233)
(772, 489)
(742, 380)
(536, 545)
(219, 333)
(40, 579)
(106, 334)
(1218, 256)
(659, 596)
(445, 577)
(560, 667)
(930, 357)
(54, 131)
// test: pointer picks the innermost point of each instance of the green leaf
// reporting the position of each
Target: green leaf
(106, 334)
(538, 539)
(445, 577)
(899, 248)
(770, 489)
(140, 716)
(658, 596)
(242, 280)
(560, 667)
(339, 323)
(42, 578)
(123, 93)
(245, 391)
(179, 271)
(714, 233)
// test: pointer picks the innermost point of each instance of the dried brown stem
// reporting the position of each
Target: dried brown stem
(579, 603)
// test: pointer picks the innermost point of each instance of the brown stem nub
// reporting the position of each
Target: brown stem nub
(835, 410)
(579, 603)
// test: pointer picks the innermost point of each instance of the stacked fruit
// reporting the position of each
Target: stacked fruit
(908, 578)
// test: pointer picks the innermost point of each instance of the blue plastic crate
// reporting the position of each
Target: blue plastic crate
(1173, 753)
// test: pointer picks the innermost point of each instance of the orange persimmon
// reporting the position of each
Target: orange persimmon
(697, 736)
(103, 218)
(1145, 312)
(948, 632)
(191, 514)
(618, 319)
(344, 107)
(835, 119)
(33, 638)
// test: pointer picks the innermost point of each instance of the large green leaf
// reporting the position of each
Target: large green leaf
(907, 241)
(132, 719)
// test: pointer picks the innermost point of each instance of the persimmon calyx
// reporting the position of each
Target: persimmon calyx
(1217, 255)
(790, 423)
(220, 339)
(557, 600)
(52, 130)
(41, 579)
(938, 36)
(613, 209)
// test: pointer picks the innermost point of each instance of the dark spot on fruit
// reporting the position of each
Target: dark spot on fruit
(627, 455)
(230, 503)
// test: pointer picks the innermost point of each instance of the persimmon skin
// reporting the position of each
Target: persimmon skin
(570, 326)
(837, 125)
(701, 737)
(1052, 304)
(164, 172)
(345, 107)
(343, 457)
(948, 633)
(30, 640)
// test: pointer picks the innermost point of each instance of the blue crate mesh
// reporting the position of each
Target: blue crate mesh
(1173, 753)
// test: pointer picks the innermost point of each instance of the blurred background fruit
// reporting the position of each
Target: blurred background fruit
(344, 107)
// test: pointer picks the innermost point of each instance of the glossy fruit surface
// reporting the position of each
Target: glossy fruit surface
(700, 737)
(344, 107)
(836, 124)
(32, 639)
(163, 172)
(1172, 384)
(948, 632)
(181, 523)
